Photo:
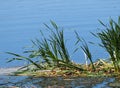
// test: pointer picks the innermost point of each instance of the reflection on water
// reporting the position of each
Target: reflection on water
(11, 80)
(55, 82)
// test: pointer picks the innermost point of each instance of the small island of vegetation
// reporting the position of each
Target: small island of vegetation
(50, 56)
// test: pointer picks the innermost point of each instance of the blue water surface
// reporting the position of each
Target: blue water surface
(21, 20)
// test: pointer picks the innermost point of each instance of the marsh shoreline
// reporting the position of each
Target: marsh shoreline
(52, 81)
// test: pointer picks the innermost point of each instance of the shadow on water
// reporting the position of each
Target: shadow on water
(56, 82)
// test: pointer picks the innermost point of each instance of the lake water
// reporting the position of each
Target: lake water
(21, 20)
(58, 82)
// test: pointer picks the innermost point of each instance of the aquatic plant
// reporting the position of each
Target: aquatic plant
(110, 40)
(50, 51)
(88, 54)
(23, 58)
(85, 49)
(53, 50)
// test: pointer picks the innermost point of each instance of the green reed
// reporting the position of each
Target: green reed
(110, 39)
(85, 49)
(50, 50)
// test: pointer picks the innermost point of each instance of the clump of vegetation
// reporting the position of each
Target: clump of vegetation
(51, 53)
(110, 39)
